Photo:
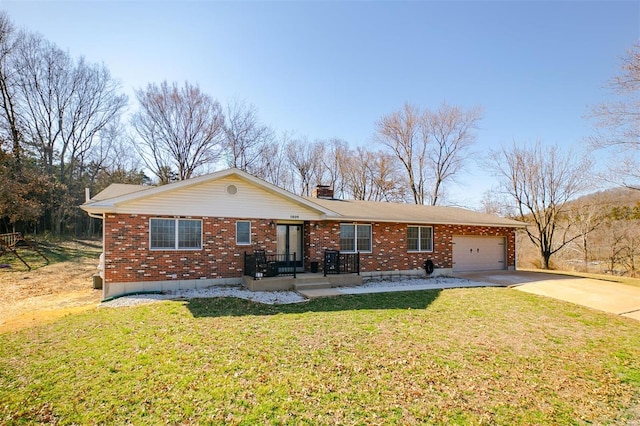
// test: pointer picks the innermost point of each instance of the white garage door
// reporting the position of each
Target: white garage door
(478, 253)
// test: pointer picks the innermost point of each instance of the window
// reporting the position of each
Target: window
(243, 232)
(189, 232)
(355, 237)
(419, 238)
(175, 234)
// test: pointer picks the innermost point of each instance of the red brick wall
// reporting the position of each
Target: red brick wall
(128, 258)
(389, 251)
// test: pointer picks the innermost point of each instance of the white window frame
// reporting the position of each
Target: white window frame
(420, 249)
(355, 237)
(176, 236)
(242, 243)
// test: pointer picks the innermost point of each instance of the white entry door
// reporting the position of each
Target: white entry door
(478, 253)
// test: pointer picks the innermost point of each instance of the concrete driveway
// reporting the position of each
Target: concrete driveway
(603, 295)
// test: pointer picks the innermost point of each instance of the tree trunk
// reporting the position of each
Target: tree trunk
(586, 253)
(545, 260)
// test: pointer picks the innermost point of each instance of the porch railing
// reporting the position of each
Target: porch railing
(260, 264)
(341, 263)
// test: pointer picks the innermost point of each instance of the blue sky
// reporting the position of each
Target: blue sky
(331, 69)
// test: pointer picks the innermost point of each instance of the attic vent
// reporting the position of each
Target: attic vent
(232, 189)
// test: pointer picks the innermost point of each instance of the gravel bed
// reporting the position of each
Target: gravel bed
(436, 282)
(267, 297)
(285, 297)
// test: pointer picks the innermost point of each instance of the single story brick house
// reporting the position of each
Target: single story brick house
(196, 232)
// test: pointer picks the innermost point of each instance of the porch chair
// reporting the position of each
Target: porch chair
(331, 262)
(266, 267)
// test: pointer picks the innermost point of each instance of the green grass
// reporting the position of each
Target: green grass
(468, 356)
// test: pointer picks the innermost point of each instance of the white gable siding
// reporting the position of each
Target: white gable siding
(211, 199)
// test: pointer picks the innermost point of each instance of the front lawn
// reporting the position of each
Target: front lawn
(464, 356)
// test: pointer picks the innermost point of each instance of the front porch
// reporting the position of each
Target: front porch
(283, 272)
(302, 282)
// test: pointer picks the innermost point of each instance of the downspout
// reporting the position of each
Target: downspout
(101, 216)
(101, 265)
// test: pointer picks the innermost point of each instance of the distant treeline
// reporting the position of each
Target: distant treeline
(62, 130)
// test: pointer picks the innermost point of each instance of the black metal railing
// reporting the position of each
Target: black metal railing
(341, 263)
(260, 264)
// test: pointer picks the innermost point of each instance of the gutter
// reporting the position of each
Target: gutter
(347, 219)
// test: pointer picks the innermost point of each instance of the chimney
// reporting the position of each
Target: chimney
(322, 191)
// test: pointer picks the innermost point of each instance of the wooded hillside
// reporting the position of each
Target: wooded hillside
(605, 232)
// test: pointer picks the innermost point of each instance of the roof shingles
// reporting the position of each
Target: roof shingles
(372, 211)
(345, 210)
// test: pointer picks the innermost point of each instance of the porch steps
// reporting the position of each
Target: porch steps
(320, 292)
(303, 282)
(311, 282)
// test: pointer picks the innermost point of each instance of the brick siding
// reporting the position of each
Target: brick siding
(129, 259)
(389, 246)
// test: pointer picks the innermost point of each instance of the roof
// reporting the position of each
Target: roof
(121, 198)
(377, 211)
(116, 190)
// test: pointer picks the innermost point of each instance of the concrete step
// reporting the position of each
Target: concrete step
(305, 281)
(311, 284)
(321, 292)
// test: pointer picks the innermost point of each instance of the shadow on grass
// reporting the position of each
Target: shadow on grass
(64, 252)
(230, 306)
(55, 251)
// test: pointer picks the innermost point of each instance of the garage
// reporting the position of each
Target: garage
(478, 253)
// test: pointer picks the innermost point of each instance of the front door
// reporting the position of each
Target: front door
(290, 242)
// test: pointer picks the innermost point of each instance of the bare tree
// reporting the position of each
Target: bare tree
(541, 181)
(631, 250)
(306, 158)
(355, 168)
(336, 153)
(245, 137)
(618, 122)
(587, 217)
(10, 122)
(400, 132)
(450, 131)
(63, 104)
(494, 203)
(618, 238)
(432, 146)
(45, 87)
(385, 177)
(179, 130)
(111, 162)
(57, 107)
(372, 175)
(274, 164)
